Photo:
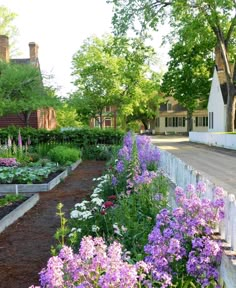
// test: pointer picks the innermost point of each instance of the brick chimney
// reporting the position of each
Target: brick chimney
(33, 52)
(4, 48)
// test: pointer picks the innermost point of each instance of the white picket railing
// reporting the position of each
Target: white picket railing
(181, 175)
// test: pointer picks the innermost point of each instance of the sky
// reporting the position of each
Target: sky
(60, 27)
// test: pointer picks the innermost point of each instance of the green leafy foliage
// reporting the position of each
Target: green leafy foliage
(201, 20)
(27, 175)
(10, 198)
(22, 91)
(115, 72)
(64, 155)
(79, 137)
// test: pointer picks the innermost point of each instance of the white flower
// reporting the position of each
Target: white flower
(100, 185)
(79, 230)
(94, 179)
(95, 228)
(97, 190)
(82, 205)
(123, 228)
(73, 229)
(97, 201)
(116, 229)
(86, 215)
(74, 214)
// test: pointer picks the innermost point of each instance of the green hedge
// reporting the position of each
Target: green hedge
(79, 137)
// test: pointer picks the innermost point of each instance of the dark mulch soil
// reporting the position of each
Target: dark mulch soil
(5, 210)
(25, 245)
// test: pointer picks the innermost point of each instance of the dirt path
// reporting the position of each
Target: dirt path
(25, 245)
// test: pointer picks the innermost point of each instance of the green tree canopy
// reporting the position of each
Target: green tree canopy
(22, 91)
(218, 18)
(110, 72)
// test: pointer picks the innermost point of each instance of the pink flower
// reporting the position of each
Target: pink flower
(108, 204)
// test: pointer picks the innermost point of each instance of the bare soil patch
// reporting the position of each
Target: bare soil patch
(5, 210)
(25, 245)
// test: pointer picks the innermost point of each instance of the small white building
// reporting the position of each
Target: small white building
(217, 107)
(217, 102)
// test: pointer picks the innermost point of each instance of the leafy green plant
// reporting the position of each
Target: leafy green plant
(98, 152)
(10, 198)
(62, 231)
(27, 175)
(64, 155)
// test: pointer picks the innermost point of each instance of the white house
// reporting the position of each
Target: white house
(217, 103)
(172, 118)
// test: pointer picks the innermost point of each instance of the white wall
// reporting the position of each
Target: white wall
(213, 139)
(216, 105)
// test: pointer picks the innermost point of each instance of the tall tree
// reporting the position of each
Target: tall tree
(22, 91)
(219, 16)
(108, 72)
(187, 79)
(189, 70)
(95, 73)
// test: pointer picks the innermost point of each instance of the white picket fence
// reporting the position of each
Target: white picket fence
(181, 174)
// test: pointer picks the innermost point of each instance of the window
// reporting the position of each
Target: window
(201, 121)
(211, 120)
(169, 107)
(108, 109)
(158, 122)
(180, 121)
(175, 122)
(107, 122)
(97, 122)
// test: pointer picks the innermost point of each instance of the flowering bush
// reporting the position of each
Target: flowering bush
(8, 162)
(126, 210)
(123, 210)
(180, 243)
(96, 265)
(119, 218)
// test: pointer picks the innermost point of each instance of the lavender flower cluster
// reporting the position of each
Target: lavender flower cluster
(147, 152)
(137, 160)
(181, 239)
(8, 162)
(96, 265)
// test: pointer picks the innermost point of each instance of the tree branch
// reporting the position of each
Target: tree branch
(231, 29)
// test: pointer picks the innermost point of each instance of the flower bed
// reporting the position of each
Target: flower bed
(128, 236)
(40, 187)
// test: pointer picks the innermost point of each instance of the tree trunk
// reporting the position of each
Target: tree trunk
(189, 121)
(145, 124)
(153, 124)
(100, 120)
(230, 113)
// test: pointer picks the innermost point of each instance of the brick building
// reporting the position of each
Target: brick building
(41, 118)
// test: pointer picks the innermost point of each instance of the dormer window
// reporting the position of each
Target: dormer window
(169, 107)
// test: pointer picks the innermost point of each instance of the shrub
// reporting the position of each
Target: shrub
(64, 155)
(8, 162)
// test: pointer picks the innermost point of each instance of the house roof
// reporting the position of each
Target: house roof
(175, 107)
